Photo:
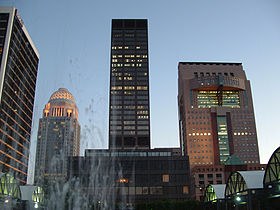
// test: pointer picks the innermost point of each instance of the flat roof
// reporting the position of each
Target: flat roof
(209, 63)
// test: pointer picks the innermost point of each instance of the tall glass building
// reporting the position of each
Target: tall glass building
(18, 73)
(129, 117)
(58, 137)
(216, 113)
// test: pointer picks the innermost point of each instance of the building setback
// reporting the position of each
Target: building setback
(129, 115)
(18, 73)
(58, 136)
(216, 115)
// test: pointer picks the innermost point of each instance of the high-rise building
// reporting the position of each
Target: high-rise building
(129, 116)
(136, 172)
(216, 113)
(18, 73)
(58, 136)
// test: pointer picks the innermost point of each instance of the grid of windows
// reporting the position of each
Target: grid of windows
(223, 138)
(129, 99)
(17, 97)
(213, 98)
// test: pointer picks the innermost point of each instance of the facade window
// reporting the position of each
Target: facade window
(165, 178)
(142, 127)
(201, 176)
(215, 98)
(156, 190)
(218, 175)
(223, 138)
(138, 190)
(210, 176)
(185, 189)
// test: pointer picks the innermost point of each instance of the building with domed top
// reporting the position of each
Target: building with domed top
(58, 136)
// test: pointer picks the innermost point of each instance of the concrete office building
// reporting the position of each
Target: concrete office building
(58, 136)
(216, 114)
(18, 73)
(129, 115)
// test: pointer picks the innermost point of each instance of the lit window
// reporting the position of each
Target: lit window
(116, 88)
(165, 178)
(142, 88)
(129, 87)
(185, 189)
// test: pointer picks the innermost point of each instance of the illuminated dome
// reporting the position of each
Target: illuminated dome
(62, 95)
(61, 104)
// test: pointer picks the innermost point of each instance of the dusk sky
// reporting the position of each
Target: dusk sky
(73, 40)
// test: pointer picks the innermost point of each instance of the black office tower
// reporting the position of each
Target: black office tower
(129, 126)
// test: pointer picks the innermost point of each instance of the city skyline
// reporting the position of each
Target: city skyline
(247, 33)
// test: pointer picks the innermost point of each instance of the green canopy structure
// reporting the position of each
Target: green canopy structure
(214, 192)
(9, 187)
(272, 172)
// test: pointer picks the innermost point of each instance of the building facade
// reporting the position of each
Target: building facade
(216, 115)
(18, 73)
(58, 136)
(126, 176)
(129, 116)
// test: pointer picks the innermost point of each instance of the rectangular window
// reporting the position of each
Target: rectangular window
(201, 183)
(142, 122)
(223, 138)
(156, 190)
(218, 175)
(131, 190)
(142, 127)
(138, 190)
(185, 189)
(201, 176)
(165, 178)
(145, 190)
(143, 132)
(209, 176)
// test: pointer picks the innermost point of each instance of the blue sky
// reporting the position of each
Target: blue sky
(73, 39)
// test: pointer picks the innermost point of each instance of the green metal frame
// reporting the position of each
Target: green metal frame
(235, 184)
(272, 172)
(210, 195)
